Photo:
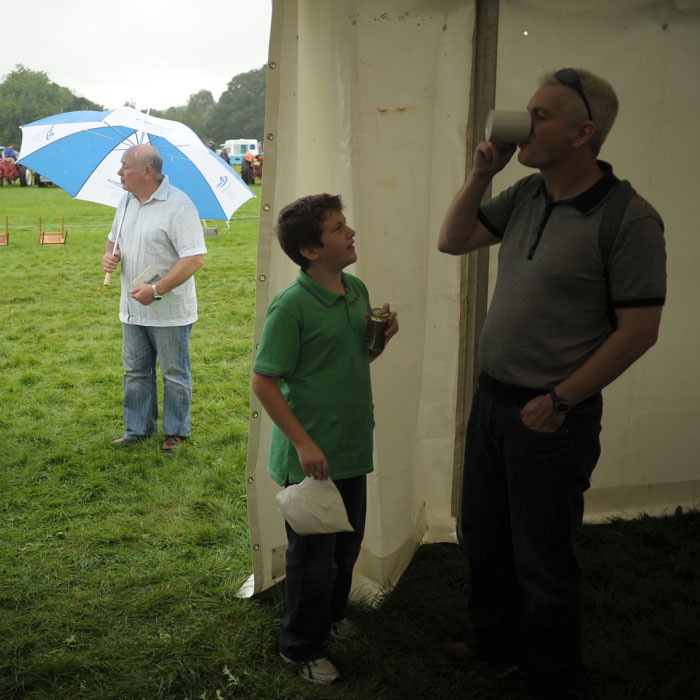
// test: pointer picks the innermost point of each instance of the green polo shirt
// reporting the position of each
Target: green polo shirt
(313, 340)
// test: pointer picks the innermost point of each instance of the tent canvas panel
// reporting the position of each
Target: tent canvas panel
(373, 104)
(380, 126)
(648, 461)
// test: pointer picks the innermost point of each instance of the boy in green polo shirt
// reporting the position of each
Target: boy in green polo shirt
(311, 374)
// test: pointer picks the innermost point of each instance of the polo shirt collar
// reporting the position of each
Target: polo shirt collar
(587, 201)
(161, 192)
(324, 295)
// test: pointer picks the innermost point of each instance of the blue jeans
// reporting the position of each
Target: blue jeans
(319, 576)
(522, 508)
(171, 345)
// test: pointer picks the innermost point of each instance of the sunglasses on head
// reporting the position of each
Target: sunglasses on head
(570, 78)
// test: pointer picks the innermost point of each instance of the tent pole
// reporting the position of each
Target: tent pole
(475, 266)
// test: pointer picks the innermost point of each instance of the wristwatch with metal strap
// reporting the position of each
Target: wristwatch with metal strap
(156, 296)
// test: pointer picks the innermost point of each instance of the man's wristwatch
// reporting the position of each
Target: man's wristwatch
(560, 405)
(156, 296)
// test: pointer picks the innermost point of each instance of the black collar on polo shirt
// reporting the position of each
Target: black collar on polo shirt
(588, 200)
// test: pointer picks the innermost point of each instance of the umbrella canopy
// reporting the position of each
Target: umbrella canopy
(81, 152)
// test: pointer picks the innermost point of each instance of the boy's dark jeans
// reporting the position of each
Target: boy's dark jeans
(522, 507)
(319, 575)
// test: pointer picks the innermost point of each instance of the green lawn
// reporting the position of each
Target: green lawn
(119, 568)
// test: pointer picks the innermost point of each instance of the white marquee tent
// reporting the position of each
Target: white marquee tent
(383, 102)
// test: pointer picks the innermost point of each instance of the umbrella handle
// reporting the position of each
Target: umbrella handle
(108, 279)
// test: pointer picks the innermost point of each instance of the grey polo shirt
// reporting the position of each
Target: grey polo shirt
(549, 309)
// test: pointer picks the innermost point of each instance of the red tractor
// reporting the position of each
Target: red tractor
(10, 171)
(258, 167)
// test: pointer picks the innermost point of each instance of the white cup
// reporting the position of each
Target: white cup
(508, 127)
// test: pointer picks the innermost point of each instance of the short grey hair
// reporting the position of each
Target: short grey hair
(601, 99)
(154, 159)
(146, 155)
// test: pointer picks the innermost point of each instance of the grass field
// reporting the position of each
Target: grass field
(119, 568)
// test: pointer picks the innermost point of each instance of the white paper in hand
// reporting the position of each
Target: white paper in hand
(314, 507)
(149, 276)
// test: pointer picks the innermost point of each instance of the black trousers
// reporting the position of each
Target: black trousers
(522, 508)
(319, 576)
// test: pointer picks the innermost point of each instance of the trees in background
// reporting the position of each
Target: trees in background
(194, 113)
(27, 95)
(240, 111)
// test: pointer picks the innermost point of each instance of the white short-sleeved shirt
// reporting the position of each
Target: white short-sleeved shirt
(158, 232)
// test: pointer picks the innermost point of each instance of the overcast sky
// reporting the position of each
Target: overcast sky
(154, 53)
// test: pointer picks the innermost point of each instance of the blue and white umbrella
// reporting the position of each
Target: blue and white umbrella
(81, 153)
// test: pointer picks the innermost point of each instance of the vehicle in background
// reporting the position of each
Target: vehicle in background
(237, 148)
(41, 181)
(10, 171)
(258, 167)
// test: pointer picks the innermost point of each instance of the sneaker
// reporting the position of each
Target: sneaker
(344, 629)
(320, 671)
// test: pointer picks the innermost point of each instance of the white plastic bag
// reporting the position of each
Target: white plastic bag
(314, 507)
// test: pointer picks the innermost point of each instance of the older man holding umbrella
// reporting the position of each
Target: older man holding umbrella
(158, 238)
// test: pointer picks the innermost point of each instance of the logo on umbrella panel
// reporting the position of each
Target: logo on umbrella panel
(222, 181)
(49, 133)
(149, 122)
